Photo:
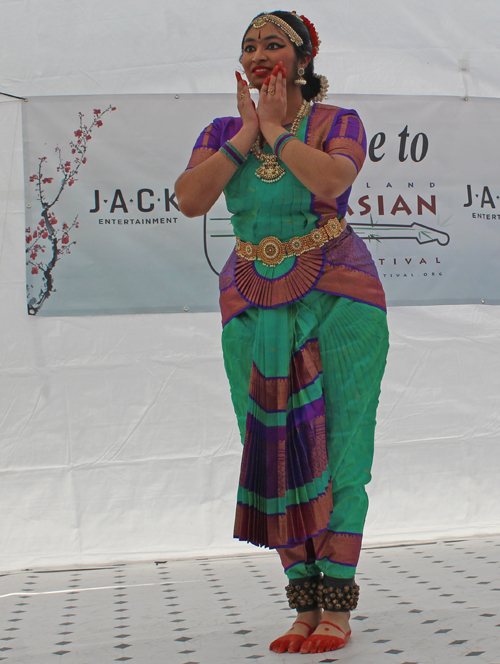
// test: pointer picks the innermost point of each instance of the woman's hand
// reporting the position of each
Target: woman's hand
(198, 188)
(246, 106)
(272, 100)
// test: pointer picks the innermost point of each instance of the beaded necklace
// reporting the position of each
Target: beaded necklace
(270, 170)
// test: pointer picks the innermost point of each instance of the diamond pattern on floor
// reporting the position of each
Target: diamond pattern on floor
(435, 603)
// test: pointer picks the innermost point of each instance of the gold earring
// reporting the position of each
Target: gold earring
(301, 80)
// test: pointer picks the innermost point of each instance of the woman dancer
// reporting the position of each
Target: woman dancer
(304, 324)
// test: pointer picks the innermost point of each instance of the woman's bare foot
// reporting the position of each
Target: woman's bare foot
(331, 633)
(304, 625)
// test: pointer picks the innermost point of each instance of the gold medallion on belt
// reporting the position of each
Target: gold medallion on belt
(272, 251)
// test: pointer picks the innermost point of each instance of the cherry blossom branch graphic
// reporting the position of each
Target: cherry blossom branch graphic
(49, 237)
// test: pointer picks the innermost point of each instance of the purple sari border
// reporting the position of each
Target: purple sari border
(237, 313)
(305, 386)
(341, 154)
(271, 514)
(351, 267)
(303, 539)
(296, 354)
(294, 393)
(324, 530)
(268, 412)
(337, 562)
(355, 299)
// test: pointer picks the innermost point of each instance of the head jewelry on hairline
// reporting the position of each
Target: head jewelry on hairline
(260, 21)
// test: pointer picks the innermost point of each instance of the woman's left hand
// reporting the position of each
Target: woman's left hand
(272, 99)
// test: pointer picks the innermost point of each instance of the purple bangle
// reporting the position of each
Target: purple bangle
(281, 141)
(233, 154)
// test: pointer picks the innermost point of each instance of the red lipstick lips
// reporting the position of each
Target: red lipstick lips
(261, 71)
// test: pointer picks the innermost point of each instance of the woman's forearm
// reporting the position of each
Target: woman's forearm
(199, 188)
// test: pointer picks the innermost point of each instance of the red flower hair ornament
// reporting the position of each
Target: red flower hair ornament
(315, 41)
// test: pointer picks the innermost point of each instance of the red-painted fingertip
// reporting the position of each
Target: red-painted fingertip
(238, 76)
(268, 79)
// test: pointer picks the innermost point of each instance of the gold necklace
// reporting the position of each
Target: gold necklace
(270, 170)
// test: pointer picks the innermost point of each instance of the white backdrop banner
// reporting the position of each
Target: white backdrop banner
(104, 234)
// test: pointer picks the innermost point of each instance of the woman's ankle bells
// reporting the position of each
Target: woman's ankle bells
(322, 592)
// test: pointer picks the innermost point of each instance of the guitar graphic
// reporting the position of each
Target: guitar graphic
(415, 231)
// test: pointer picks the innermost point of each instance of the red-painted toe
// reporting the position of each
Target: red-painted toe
(290, 642)
(324, 642)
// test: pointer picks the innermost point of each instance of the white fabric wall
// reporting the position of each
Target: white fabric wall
(117, 438)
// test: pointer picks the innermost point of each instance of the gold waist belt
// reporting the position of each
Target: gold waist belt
(272, 251)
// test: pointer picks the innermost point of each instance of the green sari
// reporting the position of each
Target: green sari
(305, 345)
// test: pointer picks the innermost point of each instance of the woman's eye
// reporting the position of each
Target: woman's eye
(274, 45)
(249, 48)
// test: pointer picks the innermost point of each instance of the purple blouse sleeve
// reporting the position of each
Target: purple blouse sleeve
(212, 138)
(347, 137)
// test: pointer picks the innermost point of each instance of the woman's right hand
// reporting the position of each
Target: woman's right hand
(246, 105)
(198, 188)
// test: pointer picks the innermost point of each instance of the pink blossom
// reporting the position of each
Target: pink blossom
(71, 182)
(78, 133)
(42, 223)
(99, 123)
(113, 108)
(97, 111)
(34, 270)
(65, 239)
(47, 180)
(33, 255)
(45, 235)
(33, 178)
(35, 235)
(28, 239)
(73, 151)
(84, 160)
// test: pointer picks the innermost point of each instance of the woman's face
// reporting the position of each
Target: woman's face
(263, 48)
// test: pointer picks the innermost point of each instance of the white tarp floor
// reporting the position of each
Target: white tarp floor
(427, 603)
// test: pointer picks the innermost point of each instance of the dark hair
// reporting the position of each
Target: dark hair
(312, 86)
